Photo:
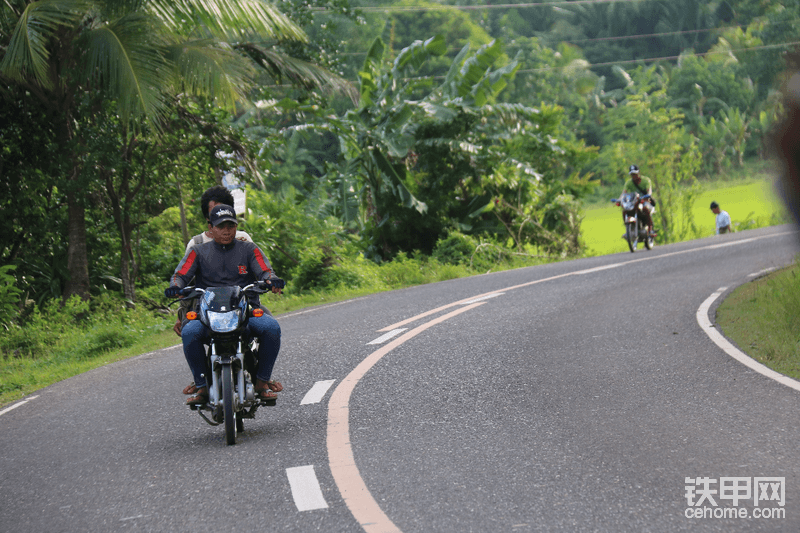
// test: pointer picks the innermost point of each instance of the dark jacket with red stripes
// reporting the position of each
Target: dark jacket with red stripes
(216, 265)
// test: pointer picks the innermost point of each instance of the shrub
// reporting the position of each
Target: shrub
(402, 272)
(9, 296)
(78, 328)
(455, 249)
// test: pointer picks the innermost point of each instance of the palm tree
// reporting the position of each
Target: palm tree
(138, 52)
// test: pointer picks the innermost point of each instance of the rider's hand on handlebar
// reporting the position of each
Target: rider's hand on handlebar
(275, 284)
(172, 291)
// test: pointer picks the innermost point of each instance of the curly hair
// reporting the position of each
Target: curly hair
(218, 194)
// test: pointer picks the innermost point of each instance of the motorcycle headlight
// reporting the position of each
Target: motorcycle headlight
(224, 322)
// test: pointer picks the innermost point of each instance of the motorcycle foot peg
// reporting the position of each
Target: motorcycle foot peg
(269, 403)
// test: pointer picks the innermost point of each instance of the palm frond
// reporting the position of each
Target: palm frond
(124, 58)
(302, 72)
(27, 55)
(230, 20)
(212, 68)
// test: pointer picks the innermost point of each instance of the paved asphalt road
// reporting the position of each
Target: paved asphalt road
(576, 396)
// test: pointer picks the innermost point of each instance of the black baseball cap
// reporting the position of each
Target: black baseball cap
(714, 205)
(222, 213)
(633, 169)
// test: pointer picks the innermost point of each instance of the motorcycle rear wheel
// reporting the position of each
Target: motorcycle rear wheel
(229, 411)
(632, 236)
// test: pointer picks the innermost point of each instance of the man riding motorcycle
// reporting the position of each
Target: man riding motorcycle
(227, 261)
(644, 186)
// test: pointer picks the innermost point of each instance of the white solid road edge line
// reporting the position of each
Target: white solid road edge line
(730, 349)
(761, 272)
(305, 488)
(317, 392)
(23, 402)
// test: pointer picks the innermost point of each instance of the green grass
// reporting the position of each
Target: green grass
(763, 318)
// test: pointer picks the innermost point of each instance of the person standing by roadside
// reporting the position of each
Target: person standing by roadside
(723, 221)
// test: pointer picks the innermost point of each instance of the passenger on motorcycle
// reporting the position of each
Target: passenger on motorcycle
(643, 185)
(227, 261)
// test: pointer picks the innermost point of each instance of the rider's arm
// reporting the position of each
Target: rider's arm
(185, 270)
(260, 265)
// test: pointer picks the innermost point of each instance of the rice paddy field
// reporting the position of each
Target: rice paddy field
(751, 204)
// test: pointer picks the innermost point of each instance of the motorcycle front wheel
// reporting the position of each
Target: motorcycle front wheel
(649, 241)
(632, 236)
(228, 408)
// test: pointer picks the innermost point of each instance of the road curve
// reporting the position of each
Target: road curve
(578, 396)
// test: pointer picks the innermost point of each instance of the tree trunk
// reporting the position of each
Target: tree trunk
(77, 254)
(127, 264)
(182, 207)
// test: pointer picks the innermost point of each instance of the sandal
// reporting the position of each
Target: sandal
(190, 389)
(266, 394)
(264, 391)
(274, 386)
(200, 398)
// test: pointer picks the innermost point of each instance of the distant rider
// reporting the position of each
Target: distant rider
(643, 185)
(223, 262)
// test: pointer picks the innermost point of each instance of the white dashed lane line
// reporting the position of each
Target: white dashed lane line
(317, 392)
(305, 488)
(387, 336)
(23, 402)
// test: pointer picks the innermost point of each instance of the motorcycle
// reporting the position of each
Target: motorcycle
(231, 358)
(635, 229)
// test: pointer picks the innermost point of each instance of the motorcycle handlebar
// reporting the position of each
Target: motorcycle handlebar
(272, 283)
(259, 285)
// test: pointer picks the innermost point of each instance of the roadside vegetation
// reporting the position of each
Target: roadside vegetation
(763, 319)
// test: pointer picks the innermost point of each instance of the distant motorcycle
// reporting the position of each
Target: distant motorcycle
(231, 358)
(635, 229)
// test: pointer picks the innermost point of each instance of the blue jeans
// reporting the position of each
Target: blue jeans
(265, 328)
